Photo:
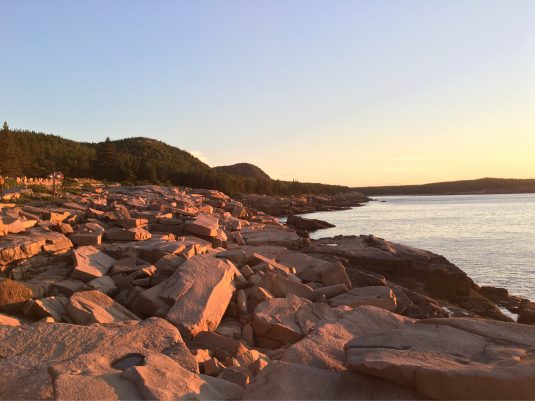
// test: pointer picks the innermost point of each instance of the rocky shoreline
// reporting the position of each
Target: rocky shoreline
(282, 206)
(169, 293)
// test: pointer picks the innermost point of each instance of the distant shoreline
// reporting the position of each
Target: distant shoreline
(482, 186)
(457, 194)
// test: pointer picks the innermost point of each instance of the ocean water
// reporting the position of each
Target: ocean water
(490, 237)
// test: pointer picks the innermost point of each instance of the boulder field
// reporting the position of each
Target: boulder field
(165, 293)
(300, 204)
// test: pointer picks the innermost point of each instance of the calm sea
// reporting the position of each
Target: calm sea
(490, 237)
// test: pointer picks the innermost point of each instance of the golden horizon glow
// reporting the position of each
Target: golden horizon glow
(355, 93)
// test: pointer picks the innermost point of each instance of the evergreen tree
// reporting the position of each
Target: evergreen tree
(10, 161)
(107, 162)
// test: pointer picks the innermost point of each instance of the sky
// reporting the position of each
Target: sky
(358, 93)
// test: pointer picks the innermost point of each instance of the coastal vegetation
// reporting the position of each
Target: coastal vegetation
(244, 170)
(136, 161)
(464, 187)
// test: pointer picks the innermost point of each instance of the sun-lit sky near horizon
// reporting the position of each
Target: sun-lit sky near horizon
(359, 93)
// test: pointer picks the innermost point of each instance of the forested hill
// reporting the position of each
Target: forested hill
(130, 161)
(479, 186)
(243, 170)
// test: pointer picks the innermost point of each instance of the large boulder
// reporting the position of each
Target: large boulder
(281, 321)
(288, 381)
(456, 358)
(324, 348)
(217, 342)
(103, 284)
(161, 378)
(301, 223)
(88, 307)
(41, 272)
(86, 238)
(12, 225)
(127, 234)
(104, 386)
(281, 286)
(379, 296)
(271, 235)
(13, 295)
(203, 225)
(336, 274)
(49, 307)
(33, 242)
(117, 212)
(199, 292)
(262, 261)
(90, 263)
(308, 267)
(149, 303)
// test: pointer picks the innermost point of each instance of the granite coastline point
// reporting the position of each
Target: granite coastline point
(153, 292)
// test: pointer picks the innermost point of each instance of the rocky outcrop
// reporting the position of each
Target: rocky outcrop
(90, 263)
(53, 362)
(304, 226)
(88, 307)
(200, 292)
(281, 321)
(51, 309)
(415, 269)
(288, 381)
(323, 346)
(13, 224)
(13, 295)
(271, 235)
(451, 358)
(203, 225)
(127, 234)
(32, 242)
(284, 206)
(161, 378)
(381, 296)
(351, 318)
(524, 308)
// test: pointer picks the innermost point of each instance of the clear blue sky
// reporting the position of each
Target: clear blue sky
(350, 92)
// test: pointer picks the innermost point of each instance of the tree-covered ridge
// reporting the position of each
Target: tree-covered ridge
(36, 154)
(130, 161)
(243, 170)
(143, 159)
(479, 186)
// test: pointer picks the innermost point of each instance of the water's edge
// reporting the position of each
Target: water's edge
(479, 233)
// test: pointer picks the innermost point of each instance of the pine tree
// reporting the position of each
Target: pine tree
(10, 154)
(107, 160)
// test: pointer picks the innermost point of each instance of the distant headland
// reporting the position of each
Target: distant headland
(464, 187)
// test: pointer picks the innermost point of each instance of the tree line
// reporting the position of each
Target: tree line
(478, 186)
(130, 161)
